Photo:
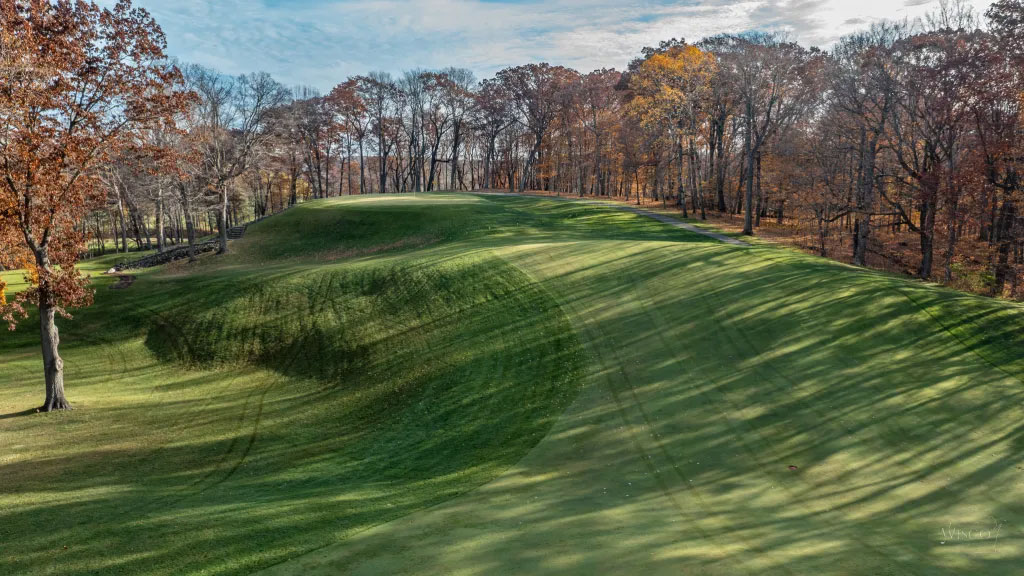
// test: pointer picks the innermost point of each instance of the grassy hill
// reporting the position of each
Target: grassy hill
(478, 385)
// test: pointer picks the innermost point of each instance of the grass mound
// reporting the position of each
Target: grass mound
(341, 324)
(366, 226)
(233, 418)
(348, 228)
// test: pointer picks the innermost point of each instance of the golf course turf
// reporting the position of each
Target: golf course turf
(461, 384)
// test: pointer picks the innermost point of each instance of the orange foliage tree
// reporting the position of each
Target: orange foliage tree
(672, 87)
(75, 81)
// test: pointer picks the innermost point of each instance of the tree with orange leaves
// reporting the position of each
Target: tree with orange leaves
(671, 87)
(75, 81)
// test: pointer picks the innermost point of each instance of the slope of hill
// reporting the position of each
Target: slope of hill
(485, 385)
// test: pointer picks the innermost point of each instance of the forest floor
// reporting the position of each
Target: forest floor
(528, 386)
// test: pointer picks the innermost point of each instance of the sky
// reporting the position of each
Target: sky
(319, 43)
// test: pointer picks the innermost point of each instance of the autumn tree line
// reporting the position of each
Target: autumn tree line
(900, 147)
(901, 144)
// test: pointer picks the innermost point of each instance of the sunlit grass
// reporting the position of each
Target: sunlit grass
(15, 281)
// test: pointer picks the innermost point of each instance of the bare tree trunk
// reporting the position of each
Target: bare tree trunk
(696, 182)
(124, 226)
(348, 146)
(141, 219)
(160, 217)
(222, 220)
(433, 175)
(190, 232)
(190, 225)
(927, 254)
(99, 236)
(951, 240)
(821, 234)
(53, 365)
(382, 158)
(362, 171)
(1002, 233)
(865, 202)
(177, 228)
(531, 162)
(927, 235)
(488, 167)
(718, 164)
(456, 142)
(682, 188)
(759, 191)
(748, 220)
(327, 174)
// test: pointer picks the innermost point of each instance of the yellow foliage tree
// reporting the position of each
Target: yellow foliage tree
(671, 89)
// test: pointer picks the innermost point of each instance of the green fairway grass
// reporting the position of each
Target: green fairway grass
(15, 281)
(457, 384)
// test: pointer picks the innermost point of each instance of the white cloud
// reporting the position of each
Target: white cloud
(321, 43)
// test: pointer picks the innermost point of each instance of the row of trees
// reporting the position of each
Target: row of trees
(905, 133)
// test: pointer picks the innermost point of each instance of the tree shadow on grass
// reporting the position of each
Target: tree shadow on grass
(712, 373)
(242, 468)
(28, 412)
